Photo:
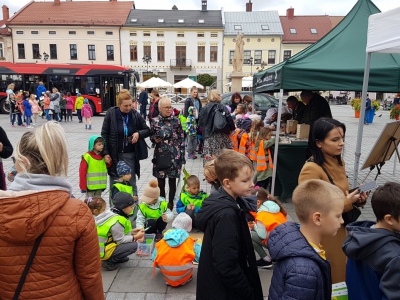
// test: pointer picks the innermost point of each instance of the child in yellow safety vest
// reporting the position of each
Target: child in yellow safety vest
(270, 213)
(117, 239)
(263, 164)
(153, 213)
(175, 253)
(93, 168)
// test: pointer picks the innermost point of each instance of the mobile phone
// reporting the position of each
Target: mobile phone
(365, 187)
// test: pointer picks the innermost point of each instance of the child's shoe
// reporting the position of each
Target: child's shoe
(109, 266)
(90, 127)
(262, 264)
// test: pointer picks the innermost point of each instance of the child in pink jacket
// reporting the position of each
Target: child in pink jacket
(35, 107)
(70, 106)
(87, 113)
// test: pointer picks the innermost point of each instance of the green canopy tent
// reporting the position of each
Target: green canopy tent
(336, 62)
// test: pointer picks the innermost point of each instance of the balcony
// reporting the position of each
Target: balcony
(180, 63)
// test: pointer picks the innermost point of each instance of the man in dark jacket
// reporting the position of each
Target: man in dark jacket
(298, 108)
(317, 107)
(143, 101)
(194, 101)
(227, 267)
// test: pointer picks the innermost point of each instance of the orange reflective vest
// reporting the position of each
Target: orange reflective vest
(234, 139)
(243, 143)
(175, 263)
(262, 159)
(252, 151)
(270, 221)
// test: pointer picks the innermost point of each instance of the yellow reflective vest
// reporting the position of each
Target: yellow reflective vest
(96, 174)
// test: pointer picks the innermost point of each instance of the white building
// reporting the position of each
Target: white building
(176, 43)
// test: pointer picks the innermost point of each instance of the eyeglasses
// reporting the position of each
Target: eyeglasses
(167, 107)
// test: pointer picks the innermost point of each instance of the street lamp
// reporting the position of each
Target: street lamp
(251, 65)
(147, 59)
(45, 57)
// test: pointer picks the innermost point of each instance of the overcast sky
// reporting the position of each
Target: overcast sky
(302, 7)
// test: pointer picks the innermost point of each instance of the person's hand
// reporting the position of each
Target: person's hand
(251, 224)
(136, 230)
(191, 206)
(164, 217)
(353, 197)
(107, 159)
(139, 235)
(158, 140)
(362, 200)
(135, 137)
(1, 147)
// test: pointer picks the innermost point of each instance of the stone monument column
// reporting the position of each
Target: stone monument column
(237, 63)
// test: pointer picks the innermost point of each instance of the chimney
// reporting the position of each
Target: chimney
(56, 2)
(290, 13)
(249, 6)
(203, 5)
(6, 13)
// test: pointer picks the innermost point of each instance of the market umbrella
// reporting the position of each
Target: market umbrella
(187, 84)
(154, 82)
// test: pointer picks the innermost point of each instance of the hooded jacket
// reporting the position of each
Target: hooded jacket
(227, 268)
(66, 265)
(299, 273)
(373, 262)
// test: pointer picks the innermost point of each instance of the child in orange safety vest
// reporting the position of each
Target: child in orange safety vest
(243, 136)
(270, 213)
(175, 253)
(263, 164)
(256, 126)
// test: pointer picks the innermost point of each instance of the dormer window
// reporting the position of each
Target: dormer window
(313, 31)
(181, 21)
(237, 27)
(134, 20)
(201, 21)
(160, 20)
(293, 31)
(264, 27)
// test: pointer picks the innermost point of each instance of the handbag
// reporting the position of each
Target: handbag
(141, 146)
(162, 160)
(27, 267)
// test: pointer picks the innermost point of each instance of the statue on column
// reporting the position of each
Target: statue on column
(238, 58)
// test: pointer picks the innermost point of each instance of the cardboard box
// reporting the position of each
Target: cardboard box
(303, 130)
(291, 126)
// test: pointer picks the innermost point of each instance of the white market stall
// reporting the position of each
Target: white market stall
(154, 82)
(187, 83)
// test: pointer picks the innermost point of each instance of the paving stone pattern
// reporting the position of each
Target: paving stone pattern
(134, 280)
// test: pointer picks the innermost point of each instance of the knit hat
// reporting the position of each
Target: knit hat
(122, 200)
(123, 169)
(85, 101)
(151, 192)
(183, 221)
(79, 94)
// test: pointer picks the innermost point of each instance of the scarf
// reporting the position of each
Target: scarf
(39, 182)
(119, 212)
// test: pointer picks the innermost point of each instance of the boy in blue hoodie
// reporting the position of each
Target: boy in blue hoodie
(177, 249)
(373, 249)
(301, 271)
(93, 168)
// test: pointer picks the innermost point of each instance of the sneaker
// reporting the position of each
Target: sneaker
(29, 127)
(262, 264)
(109, 266)
(123, 260)
(23, 125)
(13, 126)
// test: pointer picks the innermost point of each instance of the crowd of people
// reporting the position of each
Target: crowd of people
(239, 217)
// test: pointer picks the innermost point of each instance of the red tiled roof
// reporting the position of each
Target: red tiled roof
(97, 13)
(4, 30)
(335, 20)
(303, 25)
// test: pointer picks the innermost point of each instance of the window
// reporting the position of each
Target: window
(181, 21)
(19, 32)
(53, 51)
(247, 55)
(71, 32)
(271, 57)
(201, 21)
(36, 51)
(231, 55)
(180, 34)
(92, 52)
(147, 51)
(21, 51)
(264, 27)
(1, 50)
(200, 34)
(287, 54)
(52, 32)
(214, 34)
(201, 53)
(160, 20)
(110, 52)
(133, 20)
(237, 27)
(132, 33)
(293, 30)
(90, 32)
(257, 57)
(160, 53)
(160, 33)
(34, 32)
(313, 31)
(109, 33)
(133, 51)
(213, 53)
(73, 51)
(146, 33)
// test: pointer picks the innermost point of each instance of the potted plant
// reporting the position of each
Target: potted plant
(356, 104)
(376, 105)
(395, 112)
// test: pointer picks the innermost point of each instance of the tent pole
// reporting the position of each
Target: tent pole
(253, 106)
(361, 120)
(278, 126)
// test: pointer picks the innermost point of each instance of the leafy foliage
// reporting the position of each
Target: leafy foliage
(205, 79)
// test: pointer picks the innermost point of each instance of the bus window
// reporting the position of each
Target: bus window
(64, 84)
(88, 85)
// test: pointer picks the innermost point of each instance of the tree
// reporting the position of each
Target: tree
(205, 79)
(154, 75)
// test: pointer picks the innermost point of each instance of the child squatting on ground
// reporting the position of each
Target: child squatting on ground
(117, 240)
(192, 199)
(175, 253)
(227, 267)
(373, 249)
(270, 213)
(93, 168)
(301, 271)
(153, 213)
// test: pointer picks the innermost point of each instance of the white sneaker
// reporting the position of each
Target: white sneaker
(29, 127)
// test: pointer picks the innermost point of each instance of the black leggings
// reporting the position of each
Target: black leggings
(64, 114)
(171, 185)
(157, 226)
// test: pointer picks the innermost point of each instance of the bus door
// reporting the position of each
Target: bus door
(107, 92)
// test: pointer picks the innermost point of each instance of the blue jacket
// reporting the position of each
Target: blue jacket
(143, 98)
(27, 108)
(39, 90)
(368, 104)
(373, 266)
(300, 273)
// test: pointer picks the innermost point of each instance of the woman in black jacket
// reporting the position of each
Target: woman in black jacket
(122, 128)
(6, 149)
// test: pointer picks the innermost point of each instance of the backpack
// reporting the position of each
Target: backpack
(152, 109)
(220, 120)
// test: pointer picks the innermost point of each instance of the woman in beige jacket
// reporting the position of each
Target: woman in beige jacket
(67, 263)
(326, 143)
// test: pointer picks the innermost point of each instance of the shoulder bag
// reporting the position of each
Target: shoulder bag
(162, 160)
(27, 267)
(349, 216)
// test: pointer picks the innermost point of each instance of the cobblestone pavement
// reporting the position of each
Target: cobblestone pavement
(134, 279)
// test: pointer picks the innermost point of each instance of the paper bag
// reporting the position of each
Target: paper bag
(303, 130)
(291, 126)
